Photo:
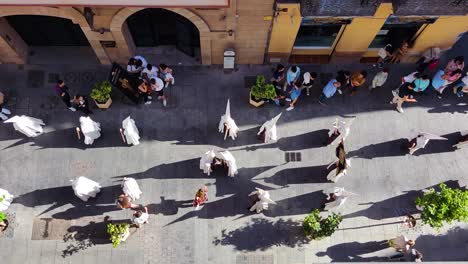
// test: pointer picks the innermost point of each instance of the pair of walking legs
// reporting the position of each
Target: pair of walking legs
(399, 102)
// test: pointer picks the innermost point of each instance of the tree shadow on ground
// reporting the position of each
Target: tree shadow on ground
(352, 251)
(60, 196)
(396, 206)
(447, 247)
(262, 234)
(313, 174)
(67, 138)
(313, 139)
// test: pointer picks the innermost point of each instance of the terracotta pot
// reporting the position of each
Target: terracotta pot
(104, 105)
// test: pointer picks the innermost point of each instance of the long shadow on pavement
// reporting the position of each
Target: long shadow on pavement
(352, 251)
(297, 205)
(60, 196)
(448, 247)
(262, 234)
(313, 174)
(396, 206)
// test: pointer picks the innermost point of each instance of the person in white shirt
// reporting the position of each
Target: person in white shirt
(144, 63)
(140, 217)
(131, 66)
(149, 72)
(461, 86)
(379, 79)
(157, 85)
(410, 77)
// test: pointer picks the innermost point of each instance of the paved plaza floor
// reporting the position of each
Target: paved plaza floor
(51, 225)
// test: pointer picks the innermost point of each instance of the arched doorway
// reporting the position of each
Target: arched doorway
(165, 34)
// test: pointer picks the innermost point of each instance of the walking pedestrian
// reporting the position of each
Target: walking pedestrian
(157, 85)
(308, 82)
(149, 72)
(141, 62)
(461, 87)
(329, 90)
(385, 54)
(357, 80)
(458, 63)
(132, 67)
(379, 79)
(293, 96)
(278, 76)
(140, 217)
(421, 140)
(344, 77)
(62, 91)
(340, 166)
(261, 200)
(335, 197)
(401, 243)
(4, 112)
(125, 202)
(292, 75)
(403, 95)
(200, 197)
(81, 103)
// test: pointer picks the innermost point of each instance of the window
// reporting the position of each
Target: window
(317, 35)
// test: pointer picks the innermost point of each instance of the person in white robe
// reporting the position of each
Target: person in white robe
(262, 201)
(5, 199)
(206, 160)
(341, 165)
(29, 126)
(340, 130)
(85, 188)
(336, 197)
(218, 158)
(421, 140)
(90, 129)
(131, 189)
(268, 130)
(227, 124)
(130, 131)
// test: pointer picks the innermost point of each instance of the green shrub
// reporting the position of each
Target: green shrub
(116, 231)
(445, 206)
(2, 216)
(316, 227)
(101, 92)
(260, 90)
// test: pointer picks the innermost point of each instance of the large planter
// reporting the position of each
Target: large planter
(104, 105)
(255, 102)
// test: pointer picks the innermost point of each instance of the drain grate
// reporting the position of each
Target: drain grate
(254, 259)
(292, 156)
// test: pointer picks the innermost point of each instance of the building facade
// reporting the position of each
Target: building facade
(259, 31)
(115, 31)
(322, 31)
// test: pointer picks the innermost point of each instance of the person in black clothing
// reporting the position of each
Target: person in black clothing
(62, 91)
(403, 95)
(81, 103)
(278, 76)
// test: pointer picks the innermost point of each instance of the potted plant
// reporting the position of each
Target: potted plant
(118, 233)
(260, 92)
(316, 227)
(445, 206)
(101, 94)
(3, 222)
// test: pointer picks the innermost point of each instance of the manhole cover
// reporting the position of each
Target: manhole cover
(254, 259)
(49, 229)
(35, 78)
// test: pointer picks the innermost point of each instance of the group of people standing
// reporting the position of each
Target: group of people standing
(79, 101)
(151, 79)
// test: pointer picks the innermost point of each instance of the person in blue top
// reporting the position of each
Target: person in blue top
(421, 83)
(329, 90)
(294, 95)
(292, 75)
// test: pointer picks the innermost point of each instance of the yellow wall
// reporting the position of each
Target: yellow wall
(441, 33)
(284, 31)
(358, 35)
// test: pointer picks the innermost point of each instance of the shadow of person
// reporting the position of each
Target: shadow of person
(262, 234)
(440, 146)
(313, 139)
(297, 205)
(82, 210)
(168, 206)
(352, 251)
(453, 108)
(67, 138)
(396, 206)
(450, 246)
(392, 148)
(60, 196)
(313, 174)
